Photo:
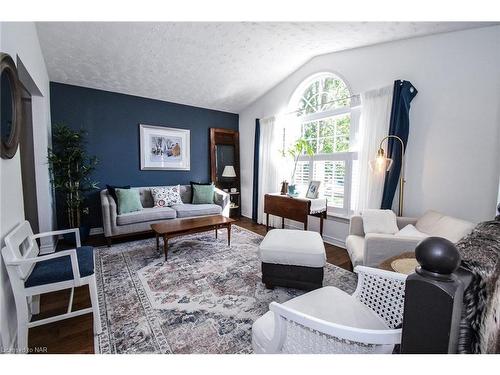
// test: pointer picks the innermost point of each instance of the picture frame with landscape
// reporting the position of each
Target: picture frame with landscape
(164, 148)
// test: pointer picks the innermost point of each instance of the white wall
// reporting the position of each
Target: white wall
(20, 41)
(453, 151)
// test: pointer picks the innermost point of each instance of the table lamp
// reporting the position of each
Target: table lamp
(229, 172)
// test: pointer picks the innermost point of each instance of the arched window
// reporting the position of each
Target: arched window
(327, 120)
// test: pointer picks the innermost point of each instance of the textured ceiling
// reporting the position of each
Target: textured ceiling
(223, 66)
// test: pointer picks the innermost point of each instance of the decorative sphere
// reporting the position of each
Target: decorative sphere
(438, 255)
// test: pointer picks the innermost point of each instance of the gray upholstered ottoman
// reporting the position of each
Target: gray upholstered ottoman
(292, 259)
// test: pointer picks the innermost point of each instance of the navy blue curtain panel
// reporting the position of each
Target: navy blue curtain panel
(256, 146)
(403, 94)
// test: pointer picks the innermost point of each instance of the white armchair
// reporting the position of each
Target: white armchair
(371, 249)
(328, 320)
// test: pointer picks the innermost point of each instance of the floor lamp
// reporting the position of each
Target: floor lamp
(383, 164)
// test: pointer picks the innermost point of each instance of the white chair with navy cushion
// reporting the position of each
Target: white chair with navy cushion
(32, 274)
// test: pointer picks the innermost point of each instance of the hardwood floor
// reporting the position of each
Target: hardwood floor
(75, 335)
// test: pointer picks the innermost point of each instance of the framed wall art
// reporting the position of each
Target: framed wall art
(164, 148)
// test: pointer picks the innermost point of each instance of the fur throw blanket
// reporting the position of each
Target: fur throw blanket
(480, 325)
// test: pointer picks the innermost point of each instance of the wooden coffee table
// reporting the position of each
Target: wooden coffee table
(180, 227)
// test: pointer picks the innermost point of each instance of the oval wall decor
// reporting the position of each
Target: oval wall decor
(10, 108)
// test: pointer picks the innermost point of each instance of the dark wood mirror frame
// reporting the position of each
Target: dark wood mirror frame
(11, 143)
(220, 136)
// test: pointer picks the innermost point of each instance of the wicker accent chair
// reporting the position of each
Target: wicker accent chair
(328, 320)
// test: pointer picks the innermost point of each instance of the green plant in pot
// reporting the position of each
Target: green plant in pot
(300, 147)
(71, 169)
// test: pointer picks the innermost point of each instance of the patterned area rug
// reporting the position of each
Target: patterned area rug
(204, 299)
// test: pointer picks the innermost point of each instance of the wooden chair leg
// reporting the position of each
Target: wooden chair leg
(95, 306)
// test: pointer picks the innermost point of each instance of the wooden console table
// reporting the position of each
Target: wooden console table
(296, 209)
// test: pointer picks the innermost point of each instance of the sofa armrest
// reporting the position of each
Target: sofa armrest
(379, 247)
(403, 221)
(356, 226)
(108, 207)
(222, 199)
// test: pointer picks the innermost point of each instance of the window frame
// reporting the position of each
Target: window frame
(348, 157)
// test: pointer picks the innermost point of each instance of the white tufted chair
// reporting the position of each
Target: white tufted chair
(328, 320)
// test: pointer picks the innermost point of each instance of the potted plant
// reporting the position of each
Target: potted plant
(300, 147)
(71, 169)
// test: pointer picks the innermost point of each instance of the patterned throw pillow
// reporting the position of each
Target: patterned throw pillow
(166, 196)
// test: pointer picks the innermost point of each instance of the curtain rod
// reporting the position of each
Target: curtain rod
(354, 96)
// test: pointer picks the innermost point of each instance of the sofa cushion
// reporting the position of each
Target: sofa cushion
(428, 221)
(59, 269)
(436, 224)
(146, 214)
(190, 210)
(293, 247)
(411, 231)
(451, 228)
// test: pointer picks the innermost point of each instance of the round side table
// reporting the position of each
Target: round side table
(402, 263)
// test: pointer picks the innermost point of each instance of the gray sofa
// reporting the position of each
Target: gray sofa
(140, 221)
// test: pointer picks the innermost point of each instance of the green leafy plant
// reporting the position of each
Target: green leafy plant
(71, 169)
(300, 147)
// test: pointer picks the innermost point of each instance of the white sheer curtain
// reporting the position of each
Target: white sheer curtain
(270, 158)
(373, 126)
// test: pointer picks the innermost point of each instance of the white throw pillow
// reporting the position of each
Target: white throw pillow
(166, 196)
(411, 231)
(451, 228)
(427, 222)
(379, 221)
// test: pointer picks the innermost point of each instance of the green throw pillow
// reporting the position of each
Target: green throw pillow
(128, 201)
(203, 194)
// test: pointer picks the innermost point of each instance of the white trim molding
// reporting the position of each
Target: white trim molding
(95, 231)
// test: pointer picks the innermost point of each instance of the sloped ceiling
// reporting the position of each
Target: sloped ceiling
(223, 66)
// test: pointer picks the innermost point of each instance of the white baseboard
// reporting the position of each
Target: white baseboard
(97, 230)
(328, 239)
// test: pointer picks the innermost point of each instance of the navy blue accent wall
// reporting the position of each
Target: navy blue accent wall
(112, 123)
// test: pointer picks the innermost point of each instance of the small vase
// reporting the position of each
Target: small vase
(284, 188)
(292, 190)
